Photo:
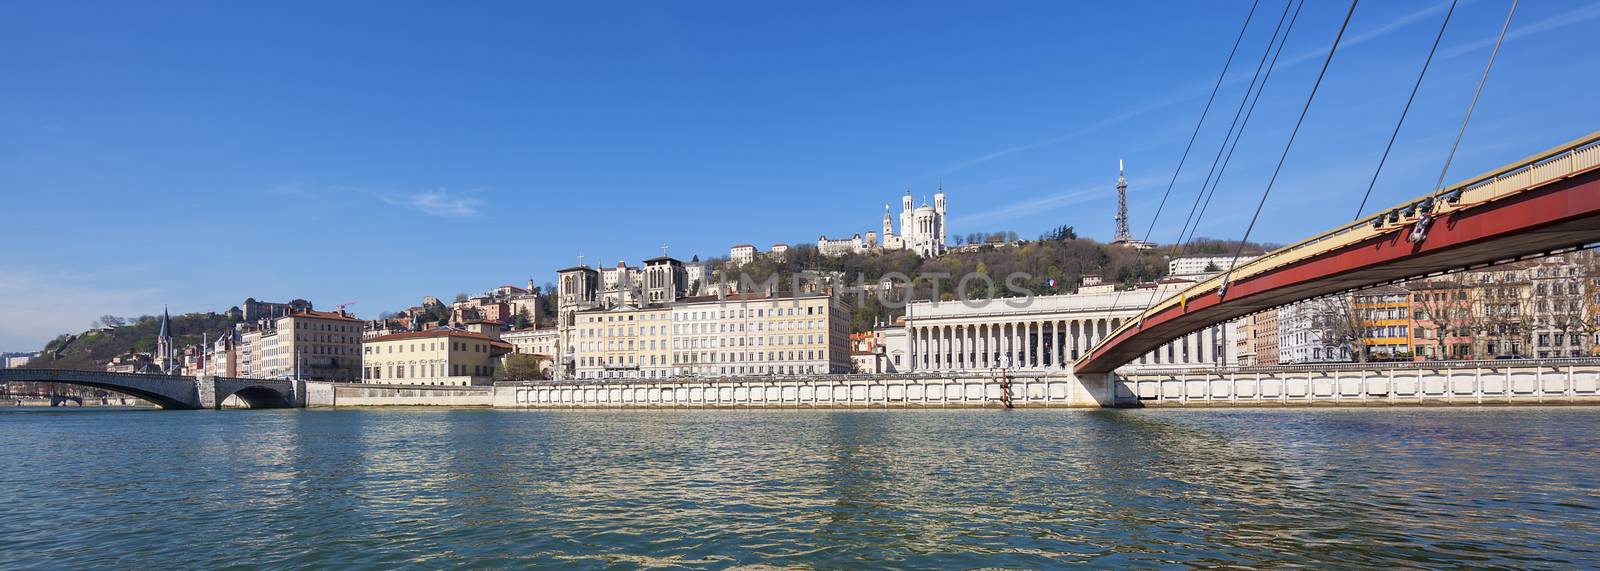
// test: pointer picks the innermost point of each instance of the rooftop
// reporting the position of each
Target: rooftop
(437, 333)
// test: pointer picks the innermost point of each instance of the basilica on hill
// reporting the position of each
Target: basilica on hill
(922, 230)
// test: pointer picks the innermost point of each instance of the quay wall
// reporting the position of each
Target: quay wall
(1043, 389)
(1504, 382)
(1547, 382)
(325, 394)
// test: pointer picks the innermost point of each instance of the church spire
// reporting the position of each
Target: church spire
(164, 349)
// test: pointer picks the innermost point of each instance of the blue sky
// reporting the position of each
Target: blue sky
(197, 153)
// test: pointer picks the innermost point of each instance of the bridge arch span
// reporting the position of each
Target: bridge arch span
(257, 396)
(165, 391)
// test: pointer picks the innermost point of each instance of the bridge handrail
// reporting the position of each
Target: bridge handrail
(23, 372)
(58, 372)
(1580, 155)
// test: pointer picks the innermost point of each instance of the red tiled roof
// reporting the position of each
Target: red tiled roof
(439, 333)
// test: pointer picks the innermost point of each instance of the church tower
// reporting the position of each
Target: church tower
(938, 211)
(166, 355)
(888, 224)
(907, 230)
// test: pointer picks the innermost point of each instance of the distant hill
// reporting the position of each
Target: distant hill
(91, 350)
(1060, 256)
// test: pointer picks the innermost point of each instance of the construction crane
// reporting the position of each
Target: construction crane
(341, 306)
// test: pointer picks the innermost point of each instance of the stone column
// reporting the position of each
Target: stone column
(963, 345)
(1038, 344)
(927, 347)
(1020, 330)
(982, 332)
(1077, 336)
(1030, 344)
(1008, 357)
(1061, 344)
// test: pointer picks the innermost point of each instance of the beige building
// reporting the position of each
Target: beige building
(307, 344)
(749, 334)
(709, 336)
(444, 356)
(623, 342)
(546, 342)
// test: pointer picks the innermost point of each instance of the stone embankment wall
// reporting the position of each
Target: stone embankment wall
(324, 394)
(1549, 382)
(845, 391)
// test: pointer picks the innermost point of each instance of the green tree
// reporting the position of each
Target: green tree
(522, 367)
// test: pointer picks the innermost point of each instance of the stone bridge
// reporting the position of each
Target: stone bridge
(171, 391)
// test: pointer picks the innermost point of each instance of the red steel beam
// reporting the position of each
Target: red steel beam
(1561, 214)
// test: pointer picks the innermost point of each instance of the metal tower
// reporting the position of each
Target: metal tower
(1123, 235)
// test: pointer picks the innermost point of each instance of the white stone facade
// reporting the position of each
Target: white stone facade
(922, 230)
(1046, 332)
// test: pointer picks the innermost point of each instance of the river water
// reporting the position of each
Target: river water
(433, 488)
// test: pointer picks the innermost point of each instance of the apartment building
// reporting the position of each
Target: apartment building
(306, 344)
(711, 336)
(441, 357)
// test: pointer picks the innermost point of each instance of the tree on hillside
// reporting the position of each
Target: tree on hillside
(1059, 233)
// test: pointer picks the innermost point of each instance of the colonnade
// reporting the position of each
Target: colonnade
(1035, 344)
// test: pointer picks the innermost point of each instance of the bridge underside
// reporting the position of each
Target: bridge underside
(1562, 214)
(163, 399)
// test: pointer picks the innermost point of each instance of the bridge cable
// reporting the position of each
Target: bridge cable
(1237, 113)
(1406, 110)
(1223, 289)
(1439, 185)
(1203, 114)
(1181, 246)
(1193, 231)
(1419, 231)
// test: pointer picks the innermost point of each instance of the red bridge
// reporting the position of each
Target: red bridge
(1545, 203)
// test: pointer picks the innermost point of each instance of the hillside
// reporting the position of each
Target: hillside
(92, 349)
(1060, 256)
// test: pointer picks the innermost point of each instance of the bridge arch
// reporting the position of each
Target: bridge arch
(165, 391)
(258, 396)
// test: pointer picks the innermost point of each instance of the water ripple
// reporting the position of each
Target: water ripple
(425, 489)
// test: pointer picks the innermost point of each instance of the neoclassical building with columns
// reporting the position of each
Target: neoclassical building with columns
(1046, 332)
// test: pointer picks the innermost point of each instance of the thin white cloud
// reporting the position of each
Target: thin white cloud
(1190, 94)
(1034, 205)
(435, 203)
(1557, 21)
